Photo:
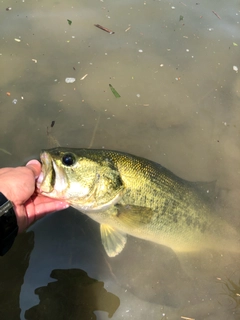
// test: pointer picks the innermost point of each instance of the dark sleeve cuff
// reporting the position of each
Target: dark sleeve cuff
(8, 230)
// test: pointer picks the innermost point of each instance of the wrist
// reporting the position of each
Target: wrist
(6, 192)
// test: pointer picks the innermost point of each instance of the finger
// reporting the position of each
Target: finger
(36, 210)
(35, 166)
(42, 209)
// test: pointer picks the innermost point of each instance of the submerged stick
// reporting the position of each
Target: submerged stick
(94, 132)
(5, 151)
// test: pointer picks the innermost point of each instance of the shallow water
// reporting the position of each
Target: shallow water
(179, 106)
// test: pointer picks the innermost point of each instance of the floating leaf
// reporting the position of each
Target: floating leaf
(235, 44)
(69, 22)
(180, 18)
(116, 94)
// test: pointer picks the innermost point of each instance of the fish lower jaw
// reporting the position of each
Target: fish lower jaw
(52, 194)
(87, 209)
(84, 209)
(44, 190)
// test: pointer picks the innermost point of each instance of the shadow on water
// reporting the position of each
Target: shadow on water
(73, 295)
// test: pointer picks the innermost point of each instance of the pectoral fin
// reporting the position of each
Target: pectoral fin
(113, 240)
(134, 216)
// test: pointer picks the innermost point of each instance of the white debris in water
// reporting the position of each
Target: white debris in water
(70, 80)
(140, 50)
(138, 95)
(173, 8)
(235, 68)
(14, 101)
(84, 76)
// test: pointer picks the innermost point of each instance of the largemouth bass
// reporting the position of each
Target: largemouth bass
(127, 194)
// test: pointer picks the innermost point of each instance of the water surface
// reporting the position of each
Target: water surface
(175, 65)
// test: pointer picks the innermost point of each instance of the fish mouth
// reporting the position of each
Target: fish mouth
(47, 177)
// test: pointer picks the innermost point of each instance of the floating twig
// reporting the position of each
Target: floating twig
(216, 15)
(104, 29)
(84, 76)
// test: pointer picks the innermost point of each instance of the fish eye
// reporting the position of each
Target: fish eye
(68, 159)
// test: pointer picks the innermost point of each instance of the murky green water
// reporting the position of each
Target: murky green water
(175, 65)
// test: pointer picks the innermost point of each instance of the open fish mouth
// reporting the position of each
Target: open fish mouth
(46, 179)
(52, 181)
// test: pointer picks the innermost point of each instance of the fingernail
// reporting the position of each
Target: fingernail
(33, 161)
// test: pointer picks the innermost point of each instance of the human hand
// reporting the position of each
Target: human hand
(19, 186)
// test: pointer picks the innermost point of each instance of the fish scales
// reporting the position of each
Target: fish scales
(173, 200)
(127, 194)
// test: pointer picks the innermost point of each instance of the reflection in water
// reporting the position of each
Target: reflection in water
(73, 296)
(232, 290)
(12, 269)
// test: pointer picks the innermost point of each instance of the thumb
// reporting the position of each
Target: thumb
(35, 166)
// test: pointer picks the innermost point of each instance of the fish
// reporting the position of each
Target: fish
(130, 195)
